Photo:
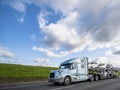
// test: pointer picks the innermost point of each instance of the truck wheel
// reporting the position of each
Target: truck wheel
(96, 78)
(92, 79)
(67, 80)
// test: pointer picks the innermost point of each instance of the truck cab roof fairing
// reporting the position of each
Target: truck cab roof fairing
(73, 60)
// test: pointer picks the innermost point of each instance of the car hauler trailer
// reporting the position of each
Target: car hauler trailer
(76, 69)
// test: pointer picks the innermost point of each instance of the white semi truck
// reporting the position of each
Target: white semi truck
(77, 69)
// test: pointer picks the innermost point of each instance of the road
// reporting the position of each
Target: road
(109, 84)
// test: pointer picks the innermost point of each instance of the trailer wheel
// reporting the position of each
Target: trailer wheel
(96, 78)
(92, 79)
(67, 80)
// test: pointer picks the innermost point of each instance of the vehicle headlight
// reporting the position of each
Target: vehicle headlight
(60, 78)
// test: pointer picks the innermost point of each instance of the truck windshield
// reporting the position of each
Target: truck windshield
(65, 66)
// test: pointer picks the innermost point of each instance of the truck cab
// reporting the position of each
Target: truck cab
(72, 70)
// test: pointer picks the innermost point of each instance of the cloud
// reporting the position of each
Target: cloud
(113, 51)
(4, 52)
(45, 62)
(108, 60)
(57, 5)
(91, 27)
(64, 35)
(41, 19)
(86, 24)
(18, 5)
(21, 18)
(49, 53)
(117, 52)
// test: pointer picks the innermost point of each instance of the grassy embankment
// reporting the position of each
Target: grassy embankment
(18, 73)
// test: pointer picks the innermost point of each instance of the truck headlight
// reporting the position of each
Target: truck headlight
(60, 78)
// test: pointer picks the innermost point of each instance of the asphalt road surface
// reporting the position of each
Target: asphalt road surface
(108, 84)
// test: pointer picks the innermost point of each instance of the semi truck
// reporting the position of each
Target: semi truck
(78, 69)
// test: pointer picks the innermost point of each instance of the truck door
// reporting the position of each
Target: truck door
(82, 70)
(73, 71)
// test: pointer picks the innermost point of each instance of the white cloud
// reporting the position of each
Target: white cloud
(18, 5)
(64, 35)
(115, 61)
(4, 52)
(45, 62)
(49, 53)
(41, 18)
(86, 24)
(92, 27)
(57, 5)
(113, 51)
(21, 18)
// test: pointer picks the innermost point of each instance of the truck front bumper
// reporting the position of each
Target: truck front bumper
(59, 80)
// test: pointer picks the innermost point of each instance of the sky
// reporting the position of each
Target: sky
(48, 32)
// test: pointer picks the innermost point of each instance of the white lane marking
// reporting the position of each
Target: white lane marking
(62, 88)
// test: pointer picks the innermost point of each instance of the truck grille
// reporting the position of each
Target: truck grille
(52, 75)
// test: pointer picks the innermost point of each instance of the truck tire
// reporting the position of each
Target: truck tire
(67, 81)
(96, 78)
(92, 78)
